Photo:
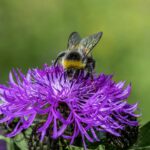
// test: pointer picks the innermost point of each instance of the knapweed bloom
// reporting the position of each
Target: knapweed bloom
(64, 107)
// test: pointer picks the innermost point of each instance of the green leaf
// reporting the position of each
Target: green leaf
(21, 142)
(10, 142)
(143, 142)
(4, 138)
(7, 140)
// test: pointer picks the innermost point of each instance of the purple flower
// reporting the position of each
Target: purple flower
(67, 107)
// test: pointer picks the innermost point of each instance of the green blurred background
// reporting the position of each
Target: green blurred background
(32, 32)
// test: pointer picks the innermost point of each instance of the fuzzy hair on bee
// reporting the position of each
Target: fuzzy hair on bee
(78, 54)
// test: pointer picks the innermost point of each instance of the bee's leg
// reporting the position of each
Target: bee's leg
(60, 55)
(69, 72)
(89, 68)
(72, 73)
(76, 73)
(90, 73)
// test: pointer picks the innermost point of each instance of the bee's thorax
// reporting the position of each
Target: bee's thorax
(73, 55)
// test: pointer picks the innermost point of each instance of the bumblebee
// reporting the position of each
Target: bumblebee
(78, 54)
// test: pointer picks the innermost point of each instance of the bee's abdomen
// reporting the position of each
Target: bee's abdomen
(68, 64)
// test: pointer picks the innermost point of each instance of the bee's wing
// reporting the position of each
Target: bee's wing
(88, 43)
(73, 40)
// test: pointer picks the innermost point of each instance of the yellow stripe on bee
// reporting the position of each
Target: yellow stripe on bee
(73, 64)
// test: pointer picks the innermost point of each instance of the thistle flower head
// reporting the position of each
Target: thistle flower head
(66, 108)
